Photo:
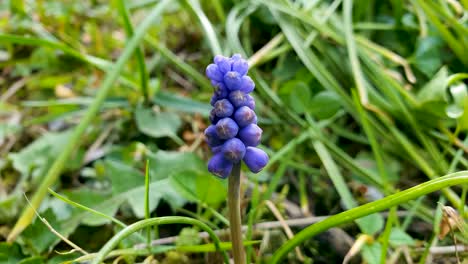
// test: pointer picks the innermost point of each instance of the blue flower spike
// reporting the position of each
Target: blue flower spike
(233, 134)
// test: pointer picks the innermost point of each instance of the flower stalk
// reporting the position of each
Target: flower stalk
(235, 225)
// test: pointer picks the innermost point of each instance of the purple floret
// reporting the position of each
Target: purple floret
(224, 63)
(250, 135)
(255, 159)
(213, 72)
(250, 102)
(212, 138)
(233, 80)
(240, 65)
(238, 98)
(220, 166)
(247, 84)
(220, 89)
(226, 128)
(233, 150)
(213, 118)
(223, 108)
(245, 116)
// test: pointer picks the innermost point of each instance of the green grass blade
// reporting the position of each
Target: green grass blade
(147, 210)
(56, 168)
(123, 11)
(385, 236)
(352, 52)
(75, 204)
(32, 41)
(369, 208)
(85, 208)
(99, 63)
(183, 66)
(451, 40)
(112, 243)
(207, 27)
(376, 147)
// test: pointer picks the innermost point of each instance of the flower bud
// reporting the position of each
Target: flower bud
(223, 63)
(233, 150)
(255, 159)
(220, 89)
(219, 166)
(212, 138)
(213, 118)
(238, 98)
(233, 80)
(247, 84)
(236, 56)
(245, 116)
(223, 108)
(217, 149)
(239, 65)
(226, 128)
(213, 72)
(250, 135)
(214, 99)
(250, 102)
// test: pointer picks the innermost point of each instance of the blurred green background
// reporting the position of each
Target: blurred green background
(357, 100)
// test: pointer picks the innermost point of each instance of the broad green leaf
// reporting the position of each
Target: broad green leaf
(32, 260)
(188, 237)
(165, 163)
(427, 57)
(38, 237)
(398, 237)
(197, 186)
(435, 89)
(324, 105)
(8, 129)
(108, 204)
(128, 186)
(162, 124)
(429, 111)
(98, 200)
(296, 94)
(287, 69)
(182, 103)
(10, 206)
(371, 252)
(367, 161)
(371, 224)
(61, 259)
(10, 253)
(125, 180)
(37, 156)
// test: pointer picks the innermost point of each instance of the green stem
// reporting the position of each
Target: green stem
(352, 52)
(77, 136)
(115, 240)
(457, 77)
(235, 225)
(139, 51)
(147, 210)
(369, 208)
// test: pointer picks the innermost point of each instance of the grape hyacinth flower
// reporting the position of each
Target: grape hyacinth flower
(233, 134)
